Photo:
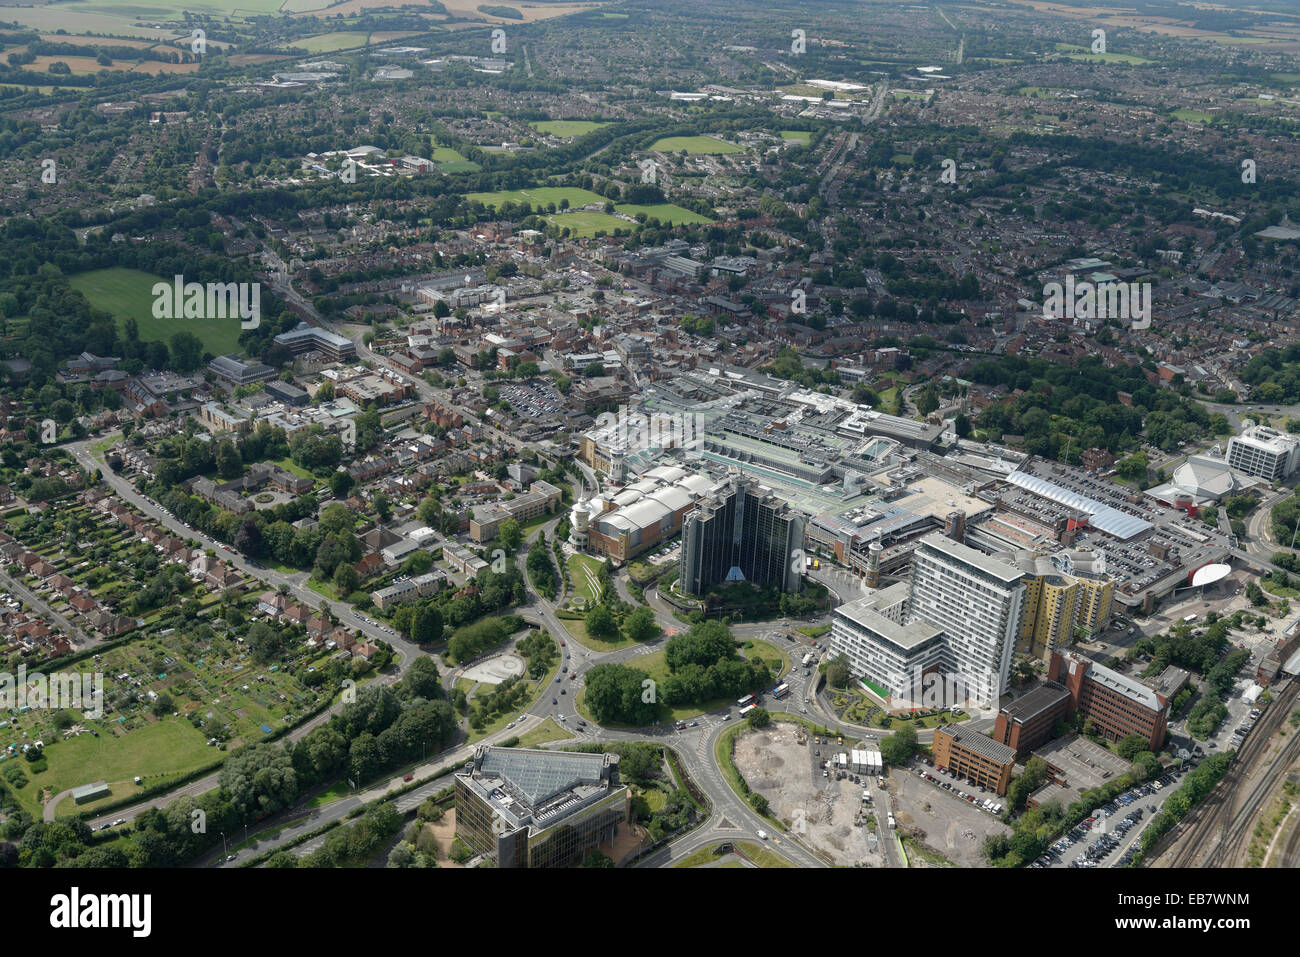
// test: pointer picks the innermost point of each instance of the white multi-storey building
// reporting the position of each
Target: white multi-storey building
(1264, 452)
(957, 620)
(882, 646)
(976, 600)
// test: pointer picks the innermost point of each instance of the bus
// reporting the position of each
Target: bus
(747, 709)
(745, 701)
(781, 690)
(807, 658)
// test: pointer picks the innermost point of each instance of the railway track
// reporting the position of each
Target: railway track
(1221, 820)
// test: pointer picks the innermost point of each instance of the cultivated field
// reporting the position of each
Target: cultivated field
(329, 42)
(126, 293)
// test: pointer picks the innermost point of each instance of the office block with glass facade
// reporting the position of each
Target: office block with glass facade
(742, 532)
(531, 808)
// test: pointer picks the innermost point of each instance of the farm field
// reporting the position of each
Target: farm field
(541, 196)
(566, 127)
(1085, 55)
(695, 145)
(664, 212)
(126, 293)
(329, 42)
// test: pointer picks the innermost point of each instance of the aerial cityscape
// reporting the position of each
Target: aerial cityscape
(649, 434)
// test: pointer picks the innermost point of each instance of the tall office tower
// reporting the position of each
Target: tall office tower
(741, 532)
(976, 600)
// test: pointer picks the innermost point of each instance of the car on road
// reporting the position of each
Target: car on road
(119, 821)
(573, 675)
(510, 725)
(557, 679)
(409, 777)
(555, 701)
(564, 691)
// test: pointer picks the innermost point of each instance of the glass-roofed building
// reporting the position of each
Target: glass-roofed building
(532, 808)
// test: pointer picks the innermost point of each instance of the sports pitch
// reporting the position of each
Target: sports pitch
(127, 294)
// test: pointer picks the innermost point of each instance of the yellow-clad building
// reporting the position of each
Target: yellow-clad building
(1068, 591)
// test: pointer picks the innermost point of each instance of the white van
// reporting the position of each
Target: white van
(762, 835)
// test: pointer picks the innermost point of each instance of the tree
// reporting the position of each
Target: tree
(927, 400)
(597, 859)
(1131, 746)
(511, 535)
(383, 507)
(229, 463)
(341, 484)
(421, 680)
(837, 672)
(426, 625)
(759, 718)
(260, 780)
(758, 803)
(619, 693)
(186, 351)
(601, 624)
(346, 579)
(640, 625)
(899, 747)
